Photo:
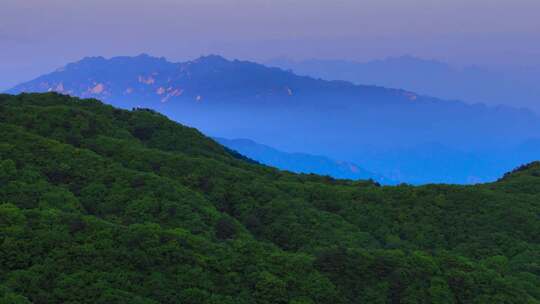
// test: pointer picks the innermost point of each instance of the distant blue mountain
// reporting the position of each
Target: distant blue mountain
(301, 162)
(396, 133)
(516, 86)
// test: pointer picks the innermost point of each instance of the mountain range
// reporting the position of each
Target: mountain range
(396, 133)
(497, 85)
(301, 162)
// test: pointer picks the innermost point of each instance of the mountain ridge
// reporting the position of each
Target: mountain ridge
(205, 64)
(301, 162)
(493, 86)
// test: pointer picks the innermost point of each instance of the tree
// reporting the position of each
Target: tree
(225, 229)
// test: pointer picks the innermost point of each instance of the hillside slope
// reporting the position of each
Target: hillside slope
(101, 205)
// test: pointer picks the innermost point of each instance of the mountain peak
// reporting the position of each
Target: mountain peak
(143, 55)
(212, 59)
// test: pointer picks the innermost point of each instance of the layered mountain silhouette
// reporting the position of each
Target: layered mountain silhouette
(301, 162)
(396, 133)
(502, 85)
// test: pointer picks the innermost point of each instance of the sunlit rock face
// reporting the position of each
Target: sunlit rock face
(152, 79)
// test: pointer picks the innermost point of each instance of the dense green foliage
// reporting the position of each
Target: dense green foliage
(100, 205)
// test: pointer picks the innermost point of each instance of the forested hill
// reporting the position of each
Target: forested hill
(101, 205)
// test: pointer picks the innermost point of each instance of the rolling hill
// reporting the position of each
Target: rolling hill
(103, 205)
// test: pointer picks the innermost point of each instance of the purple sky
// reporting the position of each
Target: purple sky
(37, 36)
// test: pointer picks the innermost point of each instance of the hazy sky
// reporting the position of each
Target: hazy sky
(37, 36)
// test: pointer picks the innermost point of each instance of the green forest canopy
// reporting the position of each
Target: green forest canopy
(102, 205)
